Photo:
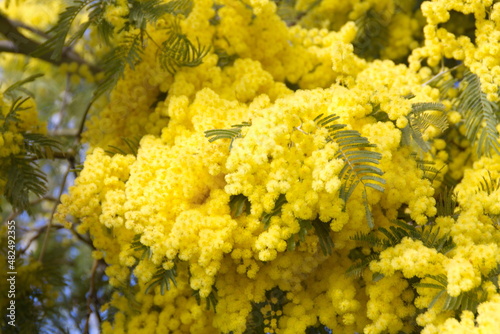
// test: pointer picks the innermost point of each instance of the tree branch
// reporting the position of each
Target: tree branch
(18, 43)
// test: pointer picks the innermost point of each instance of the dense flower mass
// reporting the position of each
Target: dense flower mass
(271, 225)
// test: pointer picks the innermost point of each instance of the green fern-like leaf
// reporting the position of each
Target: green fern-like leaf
(430, 173)
(360, 164)
(40, 146)
(480, 116)
(163, 277)
(322, 230)
(266, 216)
(178, 51)
(305, 226)
(370, 42)
(131, 147)
(149, 11)
(23, 177)
(60, 31)
(420, 107)
(419, 121)
(10, 91)
(137, 246)
(128, 52)
(488, 185)
(233, 133)
(468, 300)
(446, 203)
(428, 234)
(211, 300)
(12, 115)
(357, 268)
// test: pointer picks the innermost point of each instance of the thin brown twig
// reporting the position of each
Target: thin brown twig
(19, 24)
(36, 236)
(17, 42)
(35, 202)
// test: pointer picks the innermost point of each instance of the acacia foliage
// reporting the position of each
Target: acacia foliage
(258, 166)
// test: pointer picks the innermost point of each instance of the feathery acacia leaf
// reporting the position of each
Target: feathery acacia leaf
(211, 300)
(489, 185)
(163, 277)
(266, 216)
(480, 116)
(322, 230)
(138, 246)
(446, 203)
(426, 166)
(370, 42)
(468, 300)
(178, 51)
(429, 235)
(150, 11)
(23, 177)
(131, 147)
(40, 146)
(419, 121)
(12, 116)
(9, 91)
(60, 31)
(233, 133)
(360, 164)
(128, 52)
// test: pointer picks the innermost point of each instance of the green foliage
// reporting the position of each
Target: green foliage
(322, 231)
(128, 52)
(23, 176)
(12, 116)
(481, 116)
(163, 277)
(18, 86)
(419, 121)
(178, 51)
(256, 320)
(297, 238)
(131, 147)
(225, 59)
(372, 34)
(211, 300)
(356, 270)
(239, 204)
(489, 185)
(41, 286)
(233, 133)
(266, 216)
(446, 203)
(149, 11)
(137, 246)
(360, 164)
(286, 10)
(60, 31)
(468, 300)
(430, 173)
(21, 172)
(40, 146)
(382, 238)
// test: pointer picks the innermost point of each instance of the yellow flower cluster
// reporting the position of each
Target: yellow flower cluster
(243, 220)
(479, 52)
